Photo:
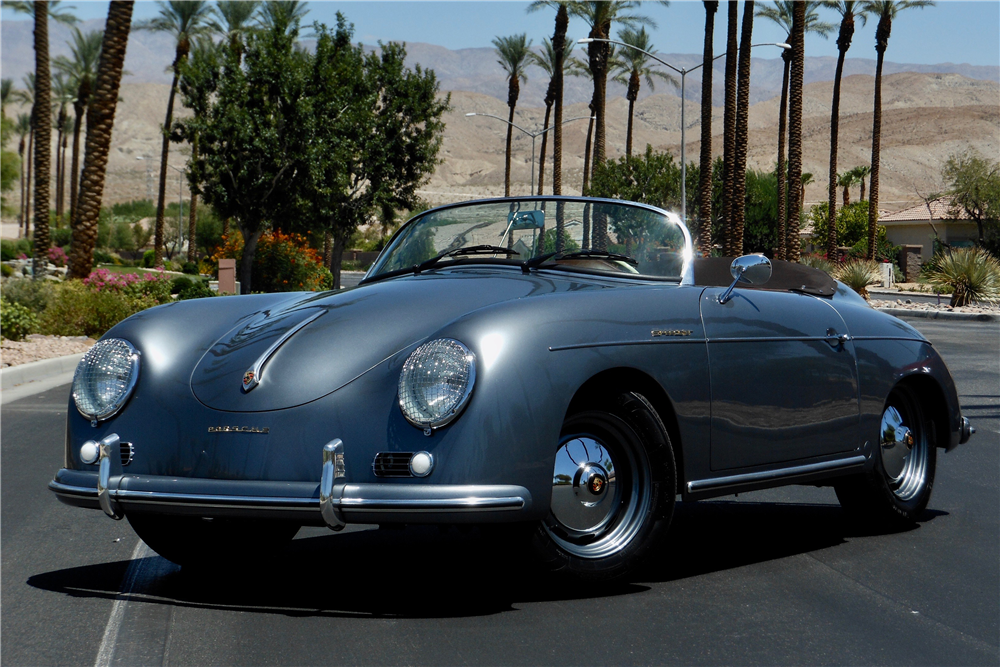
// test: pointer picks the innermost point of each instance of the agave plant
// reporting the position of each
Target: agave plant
(858, 274)
(971, 274)
(818, 262)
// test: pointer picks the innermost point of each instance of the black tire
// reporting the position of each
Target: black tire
(609, 540)
(197, 543)
(899, 487)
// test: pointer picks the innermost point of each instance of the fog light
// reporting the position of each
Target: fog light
(421, 464)
(89, 452)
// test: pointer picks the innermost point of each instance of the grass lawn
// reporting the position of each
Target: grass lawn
(114, 268)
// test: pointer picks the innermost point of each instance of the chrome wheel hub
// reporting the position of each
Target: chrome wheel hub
(904, 453)
(583, 485)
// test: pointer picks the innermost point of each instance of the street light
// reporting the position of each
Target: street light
(683, 72)
(533, 136)
(180, 207)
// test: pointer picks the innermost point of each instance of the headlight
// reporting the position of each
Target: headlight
(105, 377)
(436, 382)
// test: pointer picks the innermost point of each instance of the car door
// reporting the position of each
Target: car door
(784, 378)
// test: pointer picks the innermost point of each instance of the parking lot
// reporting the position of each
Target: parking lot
(771, 577)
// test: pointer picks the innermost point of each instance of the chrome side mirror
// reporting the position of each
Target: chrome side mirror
(750, 269)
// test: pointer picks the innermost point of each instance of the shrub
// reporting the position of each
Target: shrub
(178, 284)
(6, 270)
(282, 263)
(197, 289)
(10, 249)
(858, 274)
(852, 224)
(58, 256)
(76, 309)
(971, 274)
(190, 268)
(62, 236)
(147, 259)
(153, 285)
(16, 321)
(140, 208)
(101, 257)
(32, 294)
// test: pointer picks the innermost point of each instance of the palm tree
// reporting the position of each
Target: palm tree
(512, 55)
(63, 94)
(886, 10)
(632, 67)
(861, 172)
(781, 14)
(233, 22)
(22, 126)
(549, 61)
(556, 85)
(26, 97)
(183, 20)
(729, 129)
(6, 88)
(100, 121)
(846, 180)
(282, 13)
(848, 11)
(807, 179)
(81, 68)
(797, 40)
(599, 15)
(705, 173)
(742, 114)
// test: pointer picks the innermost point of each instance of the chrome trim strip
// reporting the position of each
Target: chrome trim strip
(469, 504)
(258, 366)
(906, 338)
(769, 475)
(654, 341)
(777, 339)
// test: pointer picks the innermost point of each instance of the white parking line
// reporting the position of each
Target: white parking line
(107, 650)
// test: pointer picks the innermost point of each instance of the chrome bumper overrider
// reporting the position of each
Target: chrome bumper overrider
(333, 503)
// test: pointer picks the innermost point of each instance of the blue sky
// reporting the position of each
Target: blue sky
(951, 31)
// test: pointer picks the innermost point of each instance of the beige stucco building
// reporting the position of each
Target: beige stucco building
(917, 225)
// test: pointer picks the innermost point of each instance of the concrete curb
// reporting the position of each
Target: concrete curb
(26, 380)
(939, 315)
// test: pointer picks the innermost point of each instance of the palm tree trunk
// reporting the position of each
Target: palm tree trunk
(100, 122)
(28, 183)
(632, 96)
(250, 239)
(43, 136)
(59, 171)
(558, 45)
(847, 195)
(193, 206)
(541, 158)
(843, 43)
(164, 154)
(876, 156)
(79, 107)
(704, 232)
(861, 183)
(729, 130)
(598, 53)
(61, 180)
(782, 172)
(21, 214)
(506, 168)
(795, 129)
(586, 153)
(742, 113)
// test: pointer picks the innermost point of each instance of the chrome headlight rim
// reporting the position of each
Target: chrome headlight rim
(456, 411)
(116, 406)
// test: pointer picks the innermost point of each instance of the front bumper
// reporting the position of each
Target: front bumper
(333, 502)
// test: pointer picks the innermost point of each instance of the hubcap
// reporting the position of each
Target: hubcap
(583, 485)
(904, 453)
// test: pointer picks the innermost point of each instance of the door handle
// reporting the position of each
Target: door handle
(835, 339)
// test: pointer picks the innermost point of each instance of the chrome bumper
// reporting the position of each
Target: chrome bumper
(333, 502)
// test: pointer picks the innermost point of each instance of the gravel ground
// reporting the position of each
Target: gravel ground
(906, 304)
(37, 347)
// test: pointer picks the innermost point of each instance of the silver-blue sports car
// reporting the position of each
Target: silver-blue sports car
(565, 365)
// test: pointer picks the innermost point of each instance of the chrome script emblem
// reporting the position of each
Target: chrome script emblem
(656, 333)
(238, 429)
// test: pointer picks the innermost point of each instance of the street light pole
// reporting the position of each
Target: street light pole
(533, 136)
(180, 201)
(683, 72)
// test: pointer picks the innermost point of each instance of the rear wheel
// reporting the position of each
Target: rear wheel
(899, 487)
(613, 490)
(209, 544)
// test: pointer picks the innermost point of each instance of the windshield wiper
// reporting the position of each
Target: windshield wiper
(535, 262)
(469, 250)
(597, 254)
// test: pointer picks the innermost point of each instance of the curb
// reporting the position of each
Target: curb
(38, 370)
(939, 315)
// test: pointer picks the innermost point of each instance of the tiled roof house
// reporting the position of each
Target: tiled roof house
(916, 226)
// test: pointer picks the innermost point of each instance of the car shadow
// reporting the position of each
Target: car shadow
(426, 572)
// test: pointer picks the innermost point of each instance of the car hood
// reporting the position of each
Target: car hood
(355, 330)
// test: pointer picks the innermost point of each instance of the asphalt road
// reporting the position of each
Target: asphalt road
(772, 577)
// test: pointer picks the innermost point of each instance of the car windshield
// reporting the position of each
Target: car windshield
(588, 235)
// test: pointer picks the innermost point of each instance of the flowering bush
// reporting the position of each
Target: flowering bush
(155, 285)
(58, 256)
(282, 262)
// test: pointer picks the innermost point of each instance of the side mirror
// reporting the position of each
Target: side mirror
(750, 269)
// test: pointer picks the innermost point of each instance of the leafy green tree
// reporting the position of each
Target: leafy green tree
(651, 178)
(974, 188)
(852, 225)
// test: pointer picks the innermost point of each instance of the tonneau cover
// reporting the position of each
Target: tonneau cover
(785, 276)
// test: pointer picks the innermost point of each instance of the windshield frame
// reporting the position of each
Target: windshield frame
(687, 270)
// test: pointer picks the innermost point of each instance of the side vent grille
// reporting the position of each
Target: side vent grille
(392, 464)
(128, 451)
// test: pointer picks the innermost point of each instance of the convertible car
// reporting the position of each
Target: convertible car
(561, 367)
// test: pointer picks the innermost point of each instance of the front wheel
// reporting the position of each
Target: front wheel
(613, 490)
(899, 488)
(199, 543)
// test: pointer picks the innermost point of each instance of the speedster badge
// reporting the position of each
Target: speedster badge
(249, 380)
